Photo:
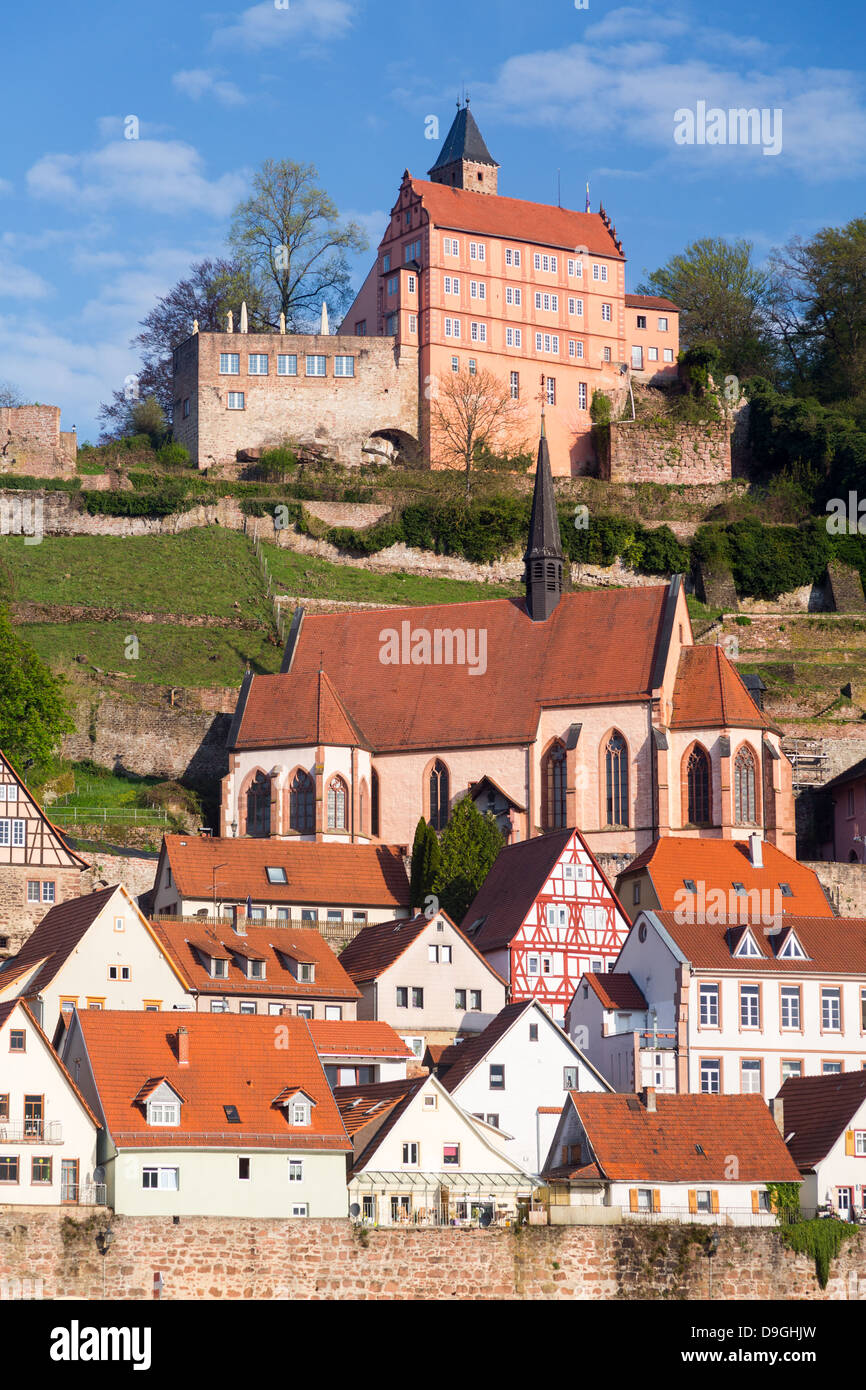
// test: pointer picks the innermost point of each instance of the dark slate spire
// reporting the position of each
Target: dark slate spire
(543, 558)
(464, 160)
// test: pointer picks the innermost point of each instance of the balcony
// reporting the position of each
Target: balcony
(31, 1132)
(90, 1194)
(332, 930)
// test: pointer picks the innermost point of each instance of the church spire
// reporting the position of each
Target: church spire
(543, 559)
(464, 160)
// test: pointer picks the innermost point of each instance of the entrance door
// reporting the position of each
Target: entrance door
(69, 1180)
(33, 1112)
(637, 359)
(845, 1202)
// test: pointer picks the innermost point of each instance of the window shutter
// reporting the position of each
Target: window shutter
(657, 1201)
(564, 1154)
(755, 1206)
(632, 1199)
(693, 1200)
(849, 1141)
(714, 1201)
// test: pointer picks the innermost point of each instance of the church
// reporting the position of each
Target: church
(589, 709)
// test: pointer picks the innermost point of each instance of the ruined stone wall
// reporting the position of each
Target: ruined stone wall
(639, 451)
(31, 440)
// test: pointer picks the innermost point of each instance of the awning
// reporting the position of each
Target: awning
(461, 1182)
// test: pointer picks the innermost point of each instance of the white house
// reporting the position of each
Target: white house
(360, 1052)
(418, 1157)
(47, 1129)
(665, 1158)
(823, 1120)
(94, 952)
(215, 1116)
(731, 1008)
(515, 1076)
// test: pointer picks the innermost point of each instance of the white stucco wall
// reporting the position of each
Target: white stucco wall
(209, 1184)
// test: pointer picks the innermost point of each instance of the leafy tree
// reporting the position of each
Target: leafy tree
(469, 845)
(10, 394)
(289, 237)
(148, 417)
(34, 716)
(471, 417)
(425, 864)
(723, 298)
(212, 288)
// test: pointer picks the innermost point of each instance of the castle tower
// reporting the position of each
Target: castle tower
(464, 160)
(543, 559)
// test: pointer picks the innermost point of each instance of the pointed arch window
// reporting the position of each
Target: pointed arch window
(698, 786)
(302, 803)
(439, 795)
(337, 799)
(555, 810)
(616, 779)
(374, 802)
(745, 799)
(259, 806)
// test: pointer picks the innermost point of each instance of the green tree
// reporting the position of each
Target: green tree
(289, 237)
(469, 845)
(148, 417)
(723, 298)
(425, 864)
(34, 716)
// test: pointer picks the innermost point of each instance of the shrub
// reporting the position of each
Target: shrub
(600, 408)
(173, 455)
(274, 464)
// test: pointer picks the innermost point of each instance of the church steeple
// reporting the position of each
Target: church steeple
(464, 160)
(543, 558)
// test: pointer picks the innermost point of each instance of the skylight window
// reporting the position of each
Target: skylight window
(276, 874)
(787, 891)
(738, 887)
(231, 1113)
(690, 885)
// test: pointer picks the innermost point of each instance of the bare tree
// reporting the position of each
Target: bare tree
(10, 394)
(470, 414)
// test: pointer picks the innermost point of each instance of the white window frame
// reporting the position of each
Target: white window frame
(316, 357)
(236, 401)
(258, 358)
(230, 371)
(283, 358)
(296, 1170)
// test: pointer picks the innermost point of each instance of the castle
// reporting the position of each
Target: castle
(465, 281)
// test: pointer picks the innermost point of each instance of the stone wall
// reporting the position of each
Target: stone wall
(639, 451)
(844, 884)
(136, 871)
(31, 440)
(224, 1258)
(154, 740)
(18, 918)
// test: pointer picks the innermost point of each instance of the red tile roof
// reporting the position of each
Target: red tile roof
(55, 938)
(710, 691)
(720, 863)
(399, 707)
(650, 301)
(377, 947)
(364, 1038)
(515, 220)
(318, 874)
(381, 1105)
(183, 939)
(233, 1060)
(458, 1060)
(816, 1110)
(833, 945)
(514, 882)
(632, 1144)
(617, 991)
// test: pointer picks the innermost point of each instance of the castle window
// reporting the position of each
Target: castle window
(581, 395)
(302, 803)
(393, 284)
(616, 779)
(186, 409)
(477, 251)
(641, 320)
(411, 284)
(477, 289)
(361, 328)
(439, 795)
(259, 806)
(553, 775)
(513, 295)
(473, 366)
(451, 246)
(386, 261)
(515, 386)
(287, 362)
(745, 808)
(258, 364)
(236, 400)
(698, 787)
(606, 354)
(413, 323)
(599, 272)
(550, 387)
(316, 365)
(514, 337)
(575, 268)
(606, 313)
(390, 327)
(662, 325)
(455, 364)
(452, 328)
(336, 804)
(344, 366)
(479, 332)
(374, 802)
(412, 251)
(452, 284)
(230, 364)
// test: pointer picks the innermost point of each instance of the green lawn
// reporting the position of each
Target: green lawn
(202, 571)
(167, 655)
(312, 577)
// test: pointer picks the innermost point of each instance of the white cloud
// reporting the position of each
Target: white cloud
(267, 26)
(198, 82)
(165, 175)
(17, 282)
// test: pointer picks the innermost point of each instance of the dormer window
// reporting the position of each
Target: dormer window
(747, 946)
(255, 969)
(300, 1112)
(163, 1112)
(792, 950)
(306, 972)
(690, 885)
(786, 890)
(219, 968)
(739, 888)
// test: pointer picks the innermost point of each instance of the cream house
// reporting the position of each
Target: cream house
(47, 1129)
(823, 1121)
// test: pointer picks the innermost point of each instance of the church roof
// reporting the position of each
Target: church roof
(710, 691)
(596, 647)
(544, 538)
(514, 219)
(464, 141)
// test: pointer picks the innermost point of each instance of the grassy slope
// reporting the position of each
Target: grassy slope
(315, 578)
(167, 655)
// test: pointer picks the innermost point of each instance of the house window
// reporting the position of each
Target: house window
(662, 325)
(653, 354)
(497, 1076)
(316, 365)
(258, 364)
(831, 1010)
(301, 1209)
(119, 972)
(555, 815)
(344, 366)
(40, 1170)
(402, 997)
(698, 787)
(433, 954)
(259, 806)
(831, 1068)
(161, 1179)
(445, 951)
(703, 1200)
(8, 1168)
(616, 780)
(300, 1112)
(532, 964)
(219, 1006)
(186, 409)
(303, 1010)
(255, 969)
(439, 795)
(644, 1199)
(235, 400)
(533, 1032)
(669, 354)
(606, 313)
(302, 803)
(711, 1076)
(744, 788)
(750, 1006)
(230, 364)
(247, 1006)
(337, 804)
(296, 1170)
(460, 999)
(287, 364)
(637, 359)
(791, 1068)
(243, 1169)
(361, 328)
(410, 1155)
(17, 1040)
(417, 997)
(790, 1006)
(333, 1012)
(709, 1001)
(475, 1000)
(569, 1078)
(451, 1155)
(750, 1076)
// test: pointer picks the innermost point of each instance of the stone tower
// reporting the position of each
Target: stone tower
(543, 560)
(464, 160)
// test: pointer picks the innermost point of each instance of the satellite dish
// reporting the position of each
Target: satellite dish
(354, 1210)
(99, 1175)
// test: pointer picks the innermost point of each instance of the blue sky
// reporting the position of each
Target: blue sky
(93, 227)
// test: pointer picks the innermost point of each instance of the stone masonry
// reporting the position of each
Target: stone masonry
(31, 440)
(643, 452)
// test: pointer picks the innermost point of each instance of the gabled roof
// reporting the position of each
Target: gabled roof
(232, 1061)
(833, 945)
(182, 940)
(458, 1060)
(515, 220)
(464, 141)
(323, 874)
(404, 706)
(617, 990)
(650, 301)
(378, 946)
(816, 1110)
(383, 1103)
(56, 937)
(361, 1038)
(709, 691)
(630, 1143)
(7, 1009)
(75, 858)
(718, 864)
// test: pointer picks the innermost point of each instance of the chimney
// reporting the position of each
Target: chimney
(777, 1110)
(756, 850)
(183, 1046)
(649, 1099)
(239, 919)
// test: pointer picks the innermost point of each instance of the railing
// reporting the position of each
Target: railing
(32, 1132)
(739, 1216)
(84, 1194)
(118, 815)
(329, 930)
